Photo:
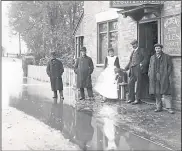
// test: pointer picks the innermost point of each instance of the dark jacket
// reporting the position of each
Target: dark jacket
(55, 70)
(84, 68)
(165, 70)
(144, 60)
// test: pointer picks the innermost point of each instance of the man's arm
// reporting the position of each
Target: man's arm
(91, 66)
(146, 58)
(76, 66)
(105, 62)
(61, 67)
(150, 66)
(128, 65)
(48, 69)
(169, 65)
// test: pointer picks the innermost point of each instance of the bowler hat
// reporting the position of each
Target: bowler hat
(158, 45)
(83, 49)
(134, 42)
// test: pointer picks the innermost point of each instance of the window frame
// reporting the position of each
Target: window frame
(79, 40)
(108, 37)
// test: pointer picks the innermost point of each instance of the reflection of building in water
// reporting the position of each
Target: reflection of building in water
(116, 23)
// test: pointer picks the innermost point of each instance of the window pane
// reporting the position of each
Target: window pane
(102, 47)
(113, 25)
(113, 41)
(103, 27)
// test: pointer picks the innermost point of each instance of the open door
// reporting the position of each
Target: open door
(148, 36)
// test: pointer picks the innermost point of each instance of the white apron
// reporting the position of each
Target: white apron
(106, 84)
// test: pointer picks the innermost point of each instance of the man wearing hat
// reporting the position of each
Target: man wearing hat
(84, 68)
(159, 73)
(137, 66)
(55, 70)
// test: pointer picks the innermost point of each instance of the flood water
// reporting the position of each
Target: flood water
(90, 131)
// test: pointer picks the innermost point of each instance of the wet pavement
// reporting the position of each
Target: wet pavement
(76, 120)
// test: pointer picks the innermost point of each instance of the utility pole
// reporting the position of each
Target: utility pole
(19, 43)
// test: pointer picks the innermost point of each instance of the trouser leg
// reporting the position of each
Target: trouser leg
(131, 87)
(138, 84)
(168, 101)
(61, 93)
(159, 101)
(90, 92)
(82, 93)
(55, 94)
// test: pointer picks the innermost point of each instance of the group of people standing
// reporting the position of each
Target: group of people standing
(158, 67)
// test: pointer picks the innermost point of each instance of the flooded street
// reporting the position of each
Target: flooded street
(79, 124)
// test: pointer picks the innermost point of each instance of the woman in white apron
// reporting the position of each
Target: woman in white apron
(106, 84)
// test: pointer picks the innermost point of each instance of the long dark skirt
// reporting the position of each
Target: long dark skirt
(56, 84)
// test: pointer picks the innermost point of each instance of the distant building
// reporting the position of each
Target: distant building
(105, 24)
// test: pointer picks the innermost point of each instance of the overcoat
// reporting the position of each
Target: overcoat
(84, 68)
(165, 70)
(55, 70)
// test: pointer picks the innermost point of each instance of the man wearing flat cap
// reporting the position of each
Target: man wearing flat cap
(84, 68)
(159, 73)
(55, 70)
(137, 66)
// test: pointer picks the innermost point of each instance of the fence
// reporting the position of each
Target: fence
(39, 73)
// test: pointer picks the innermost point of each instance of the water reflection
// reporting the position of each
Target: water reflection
(75, 119)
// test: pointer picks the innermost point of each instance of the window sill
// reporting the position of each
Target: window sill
(99, 65)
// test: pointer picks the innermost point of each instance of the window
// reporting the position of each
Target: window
(79, 44)
(107, 38)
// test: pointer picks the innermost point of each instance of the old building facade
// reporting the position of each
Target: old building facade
(105, 24)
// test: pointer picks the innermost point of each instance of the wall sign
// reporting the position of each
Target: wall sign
(172, 35)
(124, 4)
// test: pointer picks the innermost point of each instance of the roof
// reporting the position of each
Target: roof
(78, 24)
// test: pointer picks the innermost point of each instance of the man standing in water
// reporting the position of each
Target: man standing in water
(84, 68)
(55, 70)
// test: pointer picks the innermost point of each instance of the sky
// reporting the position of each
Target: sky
(11, 44)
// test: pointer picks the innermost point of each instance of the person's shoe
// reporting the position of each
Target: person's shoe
(129, 101)
(136, 102)
(61, 98)
(81, 98)
(157, 110)
(170, 111)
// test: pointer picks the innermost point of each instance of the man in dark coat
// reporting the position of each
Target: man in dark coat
(137, 66)
(159, 73)
(84, 68)
(55, 70)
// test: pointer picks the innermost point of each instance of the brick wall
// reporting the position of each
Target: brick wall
(174, 8)
(127, 31)
(91, 8)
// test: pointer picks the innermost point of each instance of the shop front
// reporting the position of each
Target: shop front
(116, 23)
(157, 22)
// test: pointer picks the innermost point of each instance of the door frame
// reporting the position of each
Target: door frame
(158, 20)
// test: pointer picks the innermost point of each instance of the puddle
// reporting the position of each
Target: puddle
(98, 132)
(80, 125)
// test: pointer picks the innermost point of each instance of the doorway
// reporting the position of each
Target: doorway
(148, 36)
